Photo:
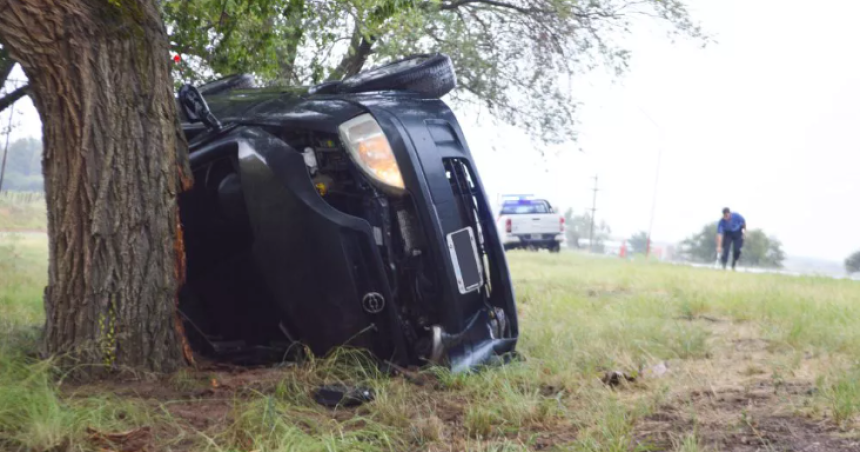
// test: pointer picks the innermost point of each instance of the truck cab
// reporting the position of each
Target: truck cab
(528, 222)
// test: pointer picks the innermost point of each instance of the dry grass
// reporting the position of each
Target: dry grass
(747, 355)
(22, 212)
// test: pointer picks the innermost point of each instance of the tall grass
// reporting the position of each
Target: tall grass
(841, 392)
(23, 273)
(22, 211)
(579, 317)
(33, 416)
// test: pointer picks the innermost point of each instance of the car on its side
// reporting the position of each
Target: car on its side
(346, 214)
(527, 222)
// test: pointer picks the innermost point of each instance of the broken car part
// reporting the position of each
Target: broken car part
(333, 396)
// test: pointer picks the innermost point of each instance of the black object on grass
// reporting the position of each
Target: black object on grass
(339, 395)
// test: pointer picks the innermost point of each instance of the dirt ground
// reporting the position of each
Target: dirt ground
(210, 405)
(743, 421)
(757, 417)
(732, 401)
(739, 401)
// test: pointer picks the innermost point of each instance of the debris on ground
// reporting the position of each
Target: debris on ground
(136, 440)
(339, 395)
(412, 374)
(656, 371)
(615, 377)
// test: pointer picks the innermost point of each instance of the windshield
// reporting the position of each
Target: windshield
(525, 207)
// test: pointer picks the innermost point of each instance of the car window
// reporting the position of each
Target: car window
(525, 207)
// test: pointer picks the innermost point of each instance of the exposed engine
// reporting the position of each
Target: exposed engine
(397, 232)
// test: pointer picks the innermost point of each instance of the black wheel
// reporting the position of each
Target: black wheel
(238, 81)
(555, 248)
(431, 75)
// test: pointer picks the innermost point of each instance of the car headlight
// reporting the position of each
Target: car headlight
(369, 149)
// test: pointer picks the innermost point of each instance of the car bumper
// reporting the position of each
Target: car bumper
(528, 240)
(431, 150)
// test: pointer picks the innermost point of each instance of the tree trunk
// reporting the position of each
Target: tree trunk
(294, 15)
(114, 162)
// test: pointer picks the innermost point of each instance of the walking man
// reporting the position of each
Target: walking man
(730, 236)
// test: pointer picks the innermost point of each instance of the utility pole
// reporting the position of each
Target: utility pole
(6, 149)
(593, 210)
(654, 201)
(656, 179)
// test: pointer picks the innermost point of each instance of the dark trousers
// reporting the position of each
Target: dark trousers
(732, 241)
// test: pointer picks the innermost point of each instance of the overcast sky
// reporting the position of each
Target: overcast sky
(765, 121)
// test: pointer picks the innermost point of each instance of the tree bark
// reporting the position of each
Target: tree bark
(114, 162)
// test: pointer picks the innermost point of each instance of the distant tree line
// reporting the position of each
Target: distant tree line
(638, 243)
(759, 249)
(23, 166)
(578, 227)
(852, 263)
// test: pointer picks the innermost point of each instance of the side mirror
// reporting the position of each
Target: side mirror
(196, 108)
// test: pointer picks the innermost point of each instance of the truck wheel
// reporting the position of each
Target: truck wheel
(430, 75)
(555, 248)
(238, 81)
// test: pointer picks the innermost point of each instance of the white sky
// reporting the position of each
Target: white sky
(765, 121)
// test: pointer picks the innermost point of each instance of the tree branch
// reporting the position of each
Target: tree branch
(9, 99)
(520, 9)
(354, 60)
(6, 65)
(579, 12)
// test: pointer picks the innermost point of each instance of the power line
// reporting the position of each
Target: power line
(656, 179)
(654, 201)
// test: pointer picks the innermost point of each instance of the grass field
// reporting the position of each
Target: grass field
(754, 362)
(20, 211)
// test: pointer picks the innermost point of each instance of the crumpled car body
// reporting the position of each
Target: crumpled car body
(297, 237)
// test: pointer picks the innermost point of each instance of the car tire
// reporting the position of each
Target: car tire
(238, 81)
(555, 248)
(430, 75)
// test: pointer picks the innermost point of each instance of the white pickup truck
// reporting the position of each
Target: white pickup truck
(530, 223)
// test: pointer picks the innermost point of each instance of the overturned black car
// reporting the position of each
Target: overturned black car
(349, 213)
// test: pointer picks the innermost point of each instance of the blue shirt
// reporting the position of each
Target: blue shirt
(733, 224)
